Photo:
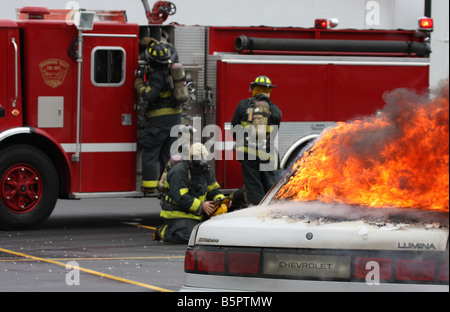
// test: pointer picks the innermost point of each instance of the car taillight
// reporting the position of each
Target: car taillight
(443, 272)
(189, 260)
(426, 24)
(415, 270)
(243, 262)
(211, 261)
(363, 265)
(222, 261)
(401, 270)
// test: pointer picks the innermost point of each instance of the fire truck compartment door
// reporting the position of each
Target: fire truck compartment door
(108, 120)
(50, 112)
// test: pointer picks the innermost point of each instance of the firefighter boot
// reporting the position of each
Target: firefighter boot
(148, 190)
(157, 233)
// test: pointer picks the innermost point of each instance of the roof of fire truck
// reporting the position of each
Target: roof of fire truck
(7, 23)
(36, 12)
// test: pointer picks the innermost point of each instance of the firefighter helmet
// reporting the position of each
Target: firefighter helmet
(263, 81)
(199, 154)
(159, 53)
(198, 151)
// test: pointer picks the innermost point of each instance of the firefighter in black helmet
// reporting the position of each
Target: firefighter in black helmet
(256, 150)
(162, 113)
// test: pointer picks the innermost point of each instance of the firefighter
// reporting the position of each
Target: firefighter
(191, 196)
(162, 113)
(258, 157)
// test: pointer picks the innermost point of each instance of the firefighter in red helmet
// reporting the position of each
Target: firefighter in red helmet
(162, 113)
(255, 126)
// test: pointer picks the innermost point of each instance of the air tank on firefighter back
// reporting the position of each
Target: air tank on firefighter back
(180, 89)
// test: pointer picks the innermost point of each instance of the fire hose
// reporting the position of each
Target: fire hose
(326, 45)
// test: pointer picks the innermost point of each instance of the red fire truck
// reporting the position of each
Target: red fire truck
(70, 120)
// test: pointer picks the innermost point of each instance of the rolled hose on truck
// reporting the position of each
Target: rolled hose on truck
(326, 45)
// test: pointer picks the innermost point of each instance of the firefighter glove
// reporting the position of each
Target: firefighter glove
(138, 83)
(145, 41)
(207, 208)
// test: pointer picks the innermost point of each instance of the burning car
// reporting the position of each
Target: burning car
(271, 249)
(364, 209)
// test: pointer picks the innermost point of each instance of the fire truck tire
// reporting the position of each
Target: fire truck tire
(28, 187)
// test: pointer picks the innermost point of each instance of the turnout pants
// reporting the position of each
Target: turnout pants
(156, 142)
(178, 230)
(257, 182)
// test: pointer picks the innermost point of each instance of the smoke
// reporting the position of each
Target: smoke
(403, 107)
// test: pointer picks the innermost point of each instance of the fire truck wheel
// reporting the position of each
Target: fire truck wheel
(28, 187)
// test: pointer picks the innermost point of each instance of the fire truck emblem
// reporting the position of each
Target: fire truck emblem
(53, 71)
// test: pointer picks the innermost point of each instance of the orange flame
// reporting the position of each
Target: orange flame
(397, 159)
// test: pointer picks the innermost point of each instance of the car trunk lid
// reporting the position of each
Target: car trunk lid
(327, 226)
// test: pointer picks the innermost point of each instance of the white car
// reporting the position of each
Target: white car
(313, 246)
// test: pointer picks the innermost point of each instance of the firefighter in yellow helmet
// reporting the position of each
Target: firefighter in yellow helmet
(192, 196)
(260, 119)
(162, 113)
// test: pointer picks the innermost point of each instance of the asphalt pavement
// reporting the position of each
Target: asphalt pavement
(92, 245)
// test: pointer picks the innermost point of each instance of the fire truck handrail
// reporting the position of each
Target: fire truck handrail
(110, 35)
(16, 72)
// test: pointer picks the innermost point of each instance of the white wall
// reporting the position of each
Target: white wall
(300, 13)
(359, 14)
(439, 42)
(295, 13)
